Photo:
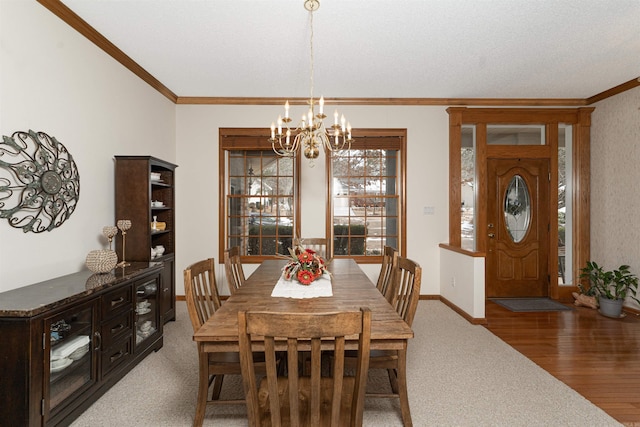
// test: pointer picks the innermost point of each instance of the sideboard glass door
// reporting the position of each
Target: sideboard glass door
(147, 312)
(71, 340)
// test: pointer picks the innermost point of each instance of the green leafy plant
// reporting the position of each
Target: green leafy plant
(612, 284)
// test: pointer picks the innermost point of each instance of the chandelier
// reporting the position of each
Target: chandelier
(311, 133)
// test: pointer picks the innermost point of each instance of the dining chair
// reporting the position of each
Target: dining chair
(201, 295)
(317, 244)
(404, 293)
(389, 260)
(405, 288)
(233, 269)
(335, 400)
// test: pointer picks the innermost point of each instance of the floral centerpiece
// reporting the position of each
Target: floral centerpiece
(304, 265)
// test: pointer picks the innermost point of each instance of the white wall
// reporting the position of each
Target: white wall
(615, 200)
(54, 80)
(462, 281)
(197, 186)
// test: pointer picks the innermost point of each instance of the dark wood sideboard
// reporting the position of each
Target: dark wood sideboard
(67, 340)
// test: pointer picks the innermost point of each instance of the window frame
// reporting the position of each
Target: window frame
(248, 139)
(368, 139)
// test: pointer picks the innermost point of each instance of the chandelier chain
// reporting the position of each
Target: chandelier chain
(311, 49)
(310, 135)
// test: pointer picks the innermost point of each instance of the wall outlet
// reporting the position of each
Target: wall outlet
(453, 282)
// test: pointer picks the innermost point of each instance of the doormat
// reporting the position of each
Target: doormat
(530, 304)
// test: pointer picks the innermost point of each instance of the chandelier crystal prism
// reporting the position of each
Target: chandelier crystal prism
(310, 134)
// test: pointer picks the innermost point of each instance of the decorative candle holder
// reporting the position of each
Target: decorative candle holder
(109, 232)
(124, 225)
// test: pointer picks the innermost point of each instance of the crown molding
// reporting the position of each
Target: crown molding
(72, 19)
(614, 91)
(514, 102)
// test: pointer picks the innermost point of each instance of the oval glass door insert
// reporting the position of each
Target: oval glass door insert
(517, 208)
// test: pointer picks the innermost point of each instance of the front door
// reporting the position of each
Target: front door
(517, 228)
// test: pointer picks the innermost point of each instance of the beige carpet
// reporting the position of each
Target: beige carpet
(460, 375)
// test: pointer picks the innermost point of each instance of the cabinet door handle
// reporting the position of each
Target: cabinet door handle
(98, 340)
(116, 328)
(116, 356)
(116, 301)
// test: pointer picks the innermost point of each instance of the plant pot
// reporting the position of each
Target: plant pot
(611, 307)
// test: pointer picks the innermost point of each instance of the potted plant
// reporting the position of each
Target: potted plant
(610, 287)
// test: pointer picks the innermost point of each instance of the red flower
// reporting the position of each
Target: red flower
(305, 256)
(305, 277)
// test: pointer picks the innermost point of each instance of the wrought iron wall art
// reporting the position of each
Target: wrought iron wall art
(39, 181)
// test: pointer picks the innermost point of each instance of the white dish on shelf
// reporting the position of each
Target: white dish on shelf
(79, 353)
(143, 310)
(145, 334)
(65, 349)
(60, 364)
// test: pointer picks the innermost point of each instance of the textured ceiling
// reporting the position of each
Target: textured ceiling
(377, 48)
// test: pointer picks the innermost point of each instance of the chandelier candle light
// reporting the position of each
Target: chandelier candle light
(311, 133)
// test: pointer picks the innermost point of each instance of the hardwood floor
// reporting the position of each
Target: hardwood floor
(597, 356)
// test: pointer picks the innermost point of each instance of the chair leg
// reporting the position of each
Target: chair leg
(402, 387)
(217, 386)
(203, 388)
(393, 380)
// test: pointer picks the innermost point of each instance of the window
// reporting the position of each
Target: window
(259, 195)
(367, 187)
(565, 204)
(516, 134)
(467, 189)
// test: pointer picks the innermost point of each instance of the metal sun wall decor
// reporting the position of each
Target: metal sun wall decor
(39, 181)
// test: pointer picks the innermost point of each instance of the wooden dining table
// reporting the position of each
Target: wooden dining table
(351, 290)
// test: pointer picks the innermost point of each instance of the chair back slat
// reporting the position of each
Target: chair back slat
(389, 260)
(405, 289)
(233, 269)
(201, 292)
(317, 244)
(306, 397)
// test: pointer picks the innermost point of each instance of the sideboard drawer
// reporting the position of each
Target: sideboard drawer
(114, 301)
(116, 328)
(116, 355)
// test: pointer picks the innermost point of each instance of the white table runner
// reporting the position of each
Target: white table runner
(320, 287)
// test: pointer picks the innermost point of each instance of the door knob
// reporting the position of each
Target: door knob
(492, 235)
